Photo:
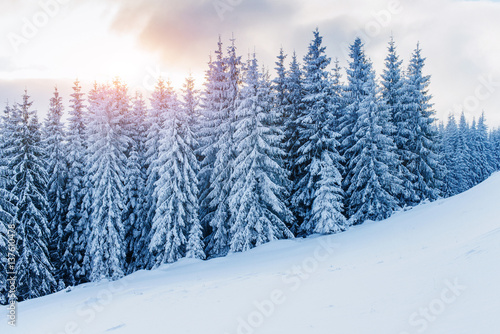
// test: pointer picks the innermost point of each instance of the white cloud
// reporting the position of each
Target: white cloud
(459, 39)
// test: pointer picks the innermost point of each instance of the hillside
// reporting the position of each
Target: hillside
(433, 269)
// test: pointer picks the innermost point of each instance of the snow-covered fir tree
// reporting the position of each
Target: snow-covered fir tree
(257, 201)
(495, 146)
(373, 182)
(176, 191)
(54, 138)
(7, 214)
(423, 162)
(122, 106)
(9, 122)
(392, 87)
(482, 162)
(105, 251)
(190, 104)
(74, 232)
(327, 209)
(213, 103)
(280, 95)
(285, 86)
(8, 126)
(135, 179)
(35, 273)
(161, 105)
(279, 82)
(293, 108)
(7, 201)
(190, 112)
(318, 195)
(465, 154)
(452, 158)
(221, 181)
(168, 230)
(337, 95)
(7, 219)
(93, 98)
(393, 83)
(354, 92)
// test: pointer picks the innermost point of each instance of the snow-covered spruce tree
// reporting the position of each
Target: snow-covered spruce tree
(213, 103)
(94, 97)
(190, 111)
(338, 99)
(135, 181)
(293, 108)
(373, 186)
(35, 273)
(122, 106)
(74, 232)
(482, 152)
(162, 101)
(190, 104)
(282, 116)
(7, 214)
(354, 92)
(168, 230)
(452, 159)
(280, 93)
(176, 191)
(423, 162)
(474, 159)
(392, 94)
(9, 124)
(441, 147)
(495, 146)
(327, 209)
(221, 176)
(279, 83)
(257, 201)
(318, 194)
(54, 141)
(465, 155)
(7, 200)
(105, 250)
(392, 88)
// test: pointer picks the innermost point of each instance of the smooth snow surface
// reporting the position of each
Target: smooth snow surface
(433, 269)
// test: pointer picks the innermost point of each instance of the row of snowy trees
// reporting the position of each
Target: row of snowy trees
(469, 153)
(122, 187)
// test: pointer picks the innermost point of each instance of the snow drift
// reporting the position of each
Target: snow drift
(433, 269)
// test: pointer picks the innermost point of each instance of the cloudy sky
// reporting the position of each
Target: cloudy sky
(49, 43)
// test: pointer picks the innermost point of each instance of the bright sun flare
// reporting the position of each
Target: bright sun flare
(72, 47)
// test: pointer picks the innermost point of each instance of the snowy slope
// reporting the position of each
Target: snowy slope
(433, 269)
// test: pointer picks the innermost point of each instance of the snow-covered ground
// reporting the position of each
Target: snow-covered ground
(433, 269)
